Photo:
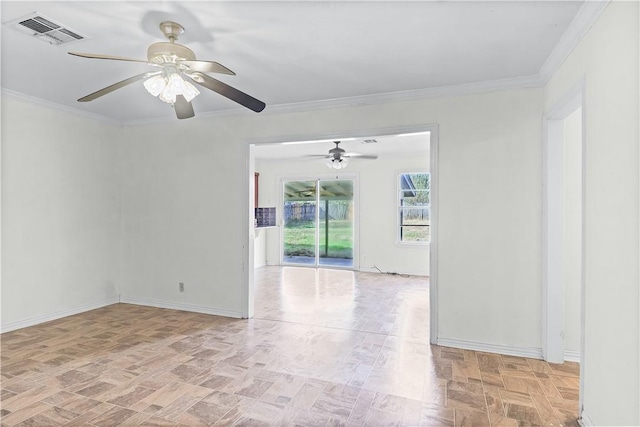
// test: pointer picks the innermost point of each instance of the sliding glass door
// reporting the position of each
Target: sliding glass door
(318, 222)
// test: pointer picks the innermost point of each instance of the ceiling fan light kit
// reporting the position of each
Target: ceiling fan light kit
(170, 84)
(337, 163)
(178, 64)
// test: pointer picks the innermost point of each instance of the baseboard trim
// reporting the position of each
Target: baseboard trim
(180, 306)
(531, 353)
(360, 269)
(571, 356)
(585, 421)
(407, 273)
(36, 320)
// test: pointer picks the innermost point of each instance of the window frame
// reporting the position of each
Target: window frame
(399, 208)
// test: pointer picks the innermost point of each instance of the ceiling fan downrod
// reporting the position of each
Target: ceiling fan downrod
(171, 30)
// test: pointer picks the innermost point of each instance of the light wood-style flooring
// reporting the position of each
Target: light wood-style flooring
(326, 348)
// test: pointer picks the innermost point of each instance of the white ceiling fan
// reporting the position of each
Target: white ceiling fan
(173, 62)
(338, 158)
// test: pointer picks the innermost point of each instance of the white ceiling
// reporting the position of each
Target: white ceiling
(282, 52)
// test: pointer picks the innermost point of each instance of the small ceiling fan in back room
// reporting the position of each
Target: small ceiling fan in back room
(338, 158)
(173, 62)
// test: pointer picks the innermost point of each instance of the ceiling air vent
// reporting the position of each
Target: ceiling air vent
(44, 29)
(369, 141)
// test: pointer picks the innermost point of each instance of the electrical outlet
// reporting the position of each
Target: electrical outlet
(181, 287)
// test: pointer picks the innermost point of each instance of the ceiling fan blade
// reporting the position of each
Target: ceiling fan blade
(360, 156)
(97, 56)
(184, 109)
(228, 91)
(115, 86)
(208, 67)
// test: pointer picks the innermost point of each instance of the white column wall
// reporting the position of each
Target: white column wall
(608, 59)
(490, 207)
(185, 185)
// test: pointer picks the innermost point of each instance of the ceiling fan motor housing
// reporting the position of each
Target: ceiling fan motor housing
(161, 53)
(337, 152)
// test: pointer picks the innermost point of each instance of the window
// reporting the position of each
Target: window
(413, 207)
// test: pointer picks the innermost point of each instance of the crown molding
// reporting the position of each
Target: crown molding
(580, 25)
(59, 107)
(410, 95)
(375, 99)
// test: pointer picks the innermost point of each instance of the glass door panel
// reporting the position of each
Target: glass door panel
(300, 218)
(335, 223)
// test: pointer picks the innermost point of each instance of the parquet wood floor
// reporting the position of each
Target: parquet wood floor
(326, 348)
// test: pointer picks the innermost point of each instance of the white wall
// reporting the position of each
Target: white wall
(607, 58)
(572, 181)
(490, 198)
(377, 198)
(185, 188)
(184, 191)
(60, 213)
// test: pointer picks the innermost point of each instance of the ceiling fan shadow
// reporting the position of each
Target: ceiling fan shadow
(196, 32)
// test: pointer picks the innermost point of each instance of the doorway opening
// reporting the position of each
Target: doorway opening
(377, 161)
(318, 222)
